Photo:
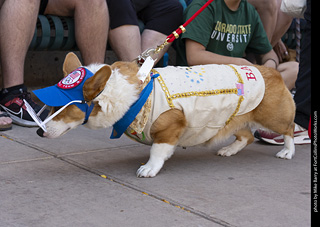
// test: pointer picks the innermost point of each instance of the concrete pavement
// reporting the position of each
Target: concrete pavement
(86, 179)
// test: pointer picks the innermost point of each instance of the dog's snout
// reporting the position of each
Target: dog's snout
(40, 132)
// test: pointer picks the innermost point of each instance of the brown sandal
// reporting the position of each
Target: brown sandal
(6, 126)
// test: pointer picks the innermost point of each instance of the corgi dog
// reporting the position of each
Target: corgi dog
(187, 106)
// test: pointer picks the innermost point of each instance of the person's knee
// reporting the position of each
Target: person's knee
(289, 72)
(22, 4)
(270, 6)
(96, 4)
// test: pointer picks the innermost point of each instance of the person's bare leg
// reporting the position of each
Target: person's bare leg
(282, 25)
(152, 39)
(268, 13)
(289, 72)
(91, 25)
(17, 24)
(126, 42)
(275, 23)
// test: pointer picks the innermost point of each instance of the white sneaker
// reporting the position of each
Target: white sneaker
(300, 136)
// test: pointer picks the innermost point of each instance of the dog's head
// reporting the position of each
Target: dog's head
(97, 95)
(80, 86)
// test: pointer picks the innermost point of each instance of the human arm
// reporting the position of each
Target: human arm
(270, 59)
(197, 54)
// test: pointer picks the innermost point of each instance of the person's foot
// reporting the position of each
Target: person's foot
(5, 121)
(300, 136)
(12, 103)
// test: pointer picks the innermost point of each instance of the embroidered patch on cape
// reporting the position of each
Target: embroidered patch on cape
(73, 79)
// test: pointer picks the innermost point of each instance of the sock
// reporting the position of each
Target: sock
(5, 91)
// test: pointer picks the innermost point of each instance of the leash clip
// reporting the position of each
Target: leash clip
(145, 54)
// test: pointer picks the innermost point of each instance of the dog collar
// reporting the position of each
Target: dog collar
(121, 126)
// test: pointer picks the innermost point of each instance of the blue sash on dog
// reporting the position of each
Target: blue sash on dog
(120, 126)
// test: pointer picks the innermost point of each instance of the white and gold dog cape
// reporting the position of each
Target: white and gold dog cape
(209, 96)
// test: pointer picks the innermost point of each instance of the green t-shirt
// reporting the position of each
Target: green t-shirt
(223, 31)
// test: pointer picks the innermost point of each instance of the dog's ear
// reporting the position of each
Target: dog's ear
(71, 62)
(95, 84)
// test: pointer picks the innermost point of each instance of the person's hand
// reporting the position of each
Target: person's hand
(281, 51)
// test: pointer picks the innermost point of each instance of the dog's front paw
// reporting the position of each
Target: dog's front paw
(285, 153)
(227, 151)
(149, 170)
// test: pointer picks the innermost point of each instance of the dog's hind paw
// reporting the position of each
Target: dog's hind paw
(285, 154)
(227, 151)
(288, 151)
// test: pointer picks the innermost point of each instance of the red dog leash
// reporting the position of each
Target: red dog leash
(174, 35)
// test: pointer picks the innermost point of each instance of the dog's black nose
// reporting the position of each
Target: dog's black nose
(40, 132)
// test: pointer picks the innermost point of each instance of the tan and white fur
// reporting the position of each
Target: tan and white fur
(120, 88)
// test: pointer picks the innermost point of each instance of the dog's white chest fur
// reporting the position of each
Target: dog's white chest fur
(209, 96)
